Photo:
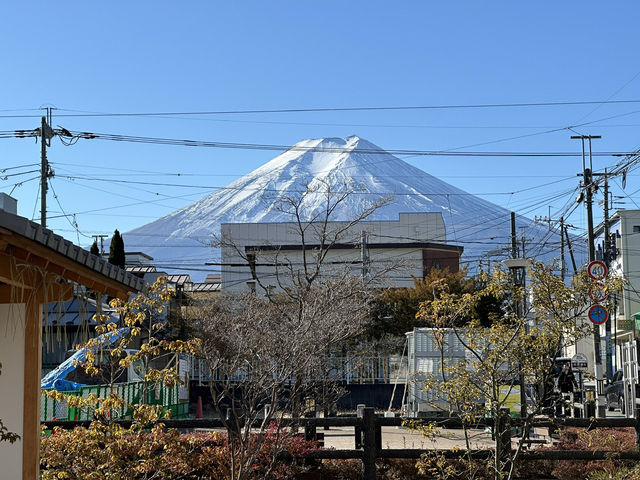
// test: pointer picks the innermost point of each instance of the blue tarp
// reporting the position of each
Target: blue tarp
(56, 378)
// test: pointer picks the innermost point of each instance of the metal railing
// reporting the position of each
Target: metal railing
(349, 369)
(133, 393)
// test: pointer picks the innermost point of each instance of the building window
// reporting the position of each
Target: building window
(636, 229)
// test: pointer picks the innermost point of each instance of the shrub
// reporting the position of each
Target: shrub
(109, 451)
(391, 469)
(614, 439)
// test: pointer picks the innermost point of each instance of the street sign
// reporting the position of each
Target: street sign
(597, 270)
(598, 314)
(579, 362)
(597, 293)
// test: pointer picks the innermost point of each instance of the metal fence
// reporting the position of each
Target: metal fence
(349, 369)
(133, 393)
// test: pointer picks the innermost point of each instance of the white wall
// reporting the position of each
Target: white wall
(409, 228)
(630, 250)
(12, 321)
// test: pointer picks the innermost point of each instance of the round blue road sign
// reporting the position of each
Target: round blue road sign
(598, 314)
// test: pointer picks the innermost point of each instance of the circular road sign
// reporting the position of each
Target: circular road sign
(598, 314)
(597, 293)
(597, 270)
(579, 362)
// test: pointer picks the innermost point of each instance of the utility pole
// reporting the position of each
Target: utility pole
(607, 259)
(364, 255)
(588, 185)
(573, 260)
(46, 133)
(101, 237)
(44, 170)
(517, 265)
(563, 266)
(549, 220)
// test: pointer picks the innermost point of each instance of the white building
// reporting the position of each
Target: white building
(624, 261)
(391, 253)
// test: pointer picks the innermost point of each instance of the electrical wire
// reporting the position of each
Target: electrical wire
(300, 148)
(336, 109)
(74, 224)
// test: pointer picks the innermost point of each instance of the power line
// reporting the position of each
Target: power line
(136, 172)
(301, 148)
(333, 109)
(355, 192)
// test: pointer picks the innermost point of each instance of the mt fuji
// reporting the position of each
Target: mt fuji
(181, 240)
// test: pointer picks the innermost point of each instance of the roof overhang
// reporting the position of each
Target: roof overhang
(32, 256)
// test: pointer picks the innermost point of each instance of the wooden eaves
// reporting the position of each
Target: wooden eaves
(38, 267)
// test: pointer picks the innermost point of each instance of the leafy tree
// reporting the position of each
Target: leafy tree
(139, 321)
(95, 250)
(395, 310)
(116, 250)
(519, 341)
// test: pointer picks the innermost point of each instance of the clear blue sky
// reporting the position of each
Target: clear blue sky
(159, 56)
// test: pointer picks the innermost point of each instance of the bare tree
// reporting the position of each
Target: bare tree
(271, 353)
(274, 349)
(312, 213)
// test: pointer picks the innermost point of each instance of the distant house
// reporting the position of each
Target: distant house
(72, 321)
(67, 324)
(390, 253)
(37, 267)
(185, 291)
(141, 265)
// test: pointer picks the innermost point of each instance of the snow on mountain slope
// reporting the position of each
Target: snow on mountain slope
(181, 239)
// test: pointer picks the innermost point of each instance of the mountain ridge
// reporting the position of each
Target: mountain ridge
(181, 237)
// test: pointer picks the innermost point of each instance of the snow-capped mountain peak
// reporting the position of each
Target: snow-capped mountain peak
(182, 238)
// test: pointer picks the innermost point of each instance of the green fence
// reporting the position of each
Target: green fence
(132, 393)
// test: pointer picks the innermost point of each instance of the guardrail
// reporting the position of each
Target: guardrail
(368, 435)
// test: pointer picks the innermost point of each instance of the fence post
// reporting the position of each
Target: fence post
(369, 446)
(310, 430)
(358, 429)
(637, 427)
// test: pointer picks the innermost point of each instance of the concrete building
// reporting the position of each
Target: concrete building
(388, 253)
(624, 261)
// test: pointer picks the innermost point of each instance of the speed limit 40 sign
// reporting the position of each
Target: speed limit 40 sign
(597, 270)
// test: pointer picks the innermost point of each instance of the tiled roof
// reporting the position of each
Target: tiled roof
(32, 231)
(140, 268)
(179, 279)
(75, 312)
(202, 287)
